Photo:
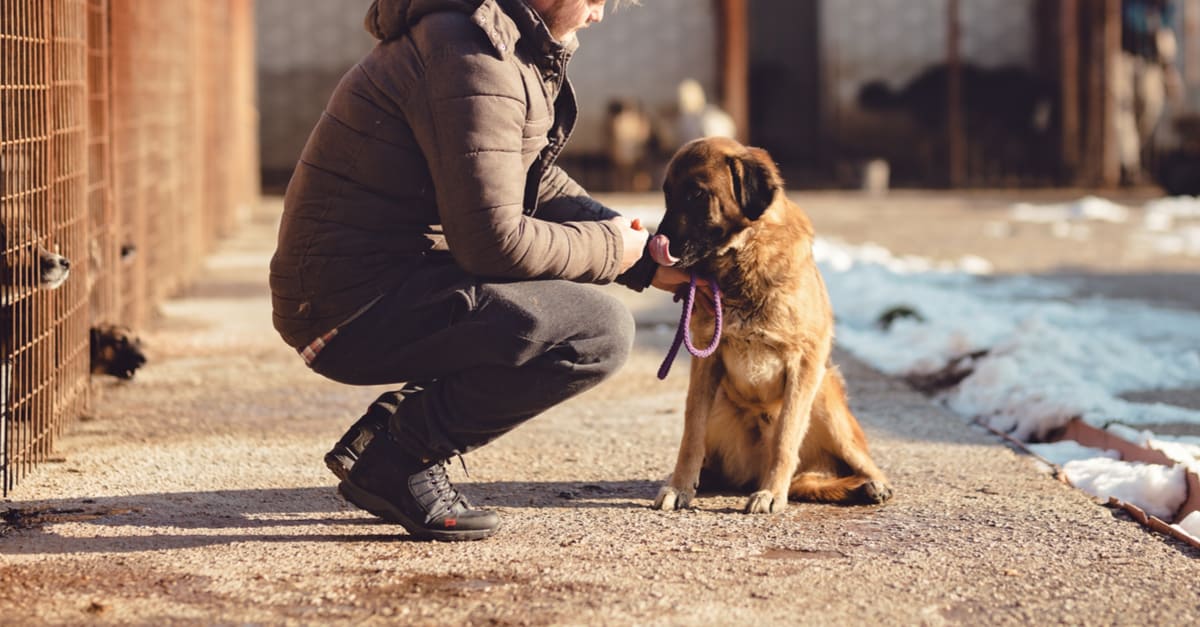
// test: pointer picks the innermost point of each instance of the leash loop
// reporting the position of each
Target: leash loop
(683, 335)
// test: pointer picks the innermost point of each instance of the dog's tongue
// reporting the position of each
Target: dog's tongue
(660, 250)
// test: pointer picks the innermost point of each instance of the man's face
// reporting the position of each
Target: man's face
(565, 17)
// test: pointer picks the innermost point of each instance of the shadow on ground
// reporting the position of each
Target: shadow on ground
(226, 517)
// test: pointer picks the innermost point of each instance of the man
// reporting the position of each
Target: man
(429, 238)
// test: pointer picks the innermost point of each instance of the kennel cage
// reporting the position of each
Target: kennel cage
(127, 146)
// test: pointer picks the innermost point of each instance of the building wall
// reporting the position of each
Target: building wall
(641, 52)
(304, 47)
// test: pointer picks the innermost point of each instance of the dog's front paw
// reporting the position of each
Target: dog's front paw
(765, 502)
(670, 498)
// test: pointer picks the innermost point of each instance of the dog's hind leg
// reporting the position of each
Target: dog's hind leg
(702, 390)
(837, 434)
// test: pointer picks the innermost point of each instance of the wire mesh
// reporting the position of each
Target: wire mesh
(68, 368)
(126, 146)
(103, 247)
(43, 152)
(129, 144)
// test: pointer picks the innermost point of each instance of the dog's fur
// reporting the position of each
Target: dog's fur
(767, 412)
(115, 351)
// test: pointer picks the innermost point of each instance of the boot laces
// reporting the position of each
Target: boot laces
(445, 494)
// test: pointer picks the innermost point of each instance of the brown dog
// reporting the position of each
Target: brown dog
(767, 412)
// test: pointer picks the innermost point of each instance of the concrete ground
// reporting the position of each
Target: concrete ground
(196, 494)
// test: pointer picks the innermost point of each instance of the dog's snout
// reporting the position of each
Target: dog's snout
(55, 262)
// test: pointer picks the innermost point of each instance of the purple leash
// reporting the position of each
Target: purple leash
(683, 335)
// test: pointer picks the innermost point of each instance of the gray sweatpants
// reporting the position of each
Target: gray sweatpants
(479, 357)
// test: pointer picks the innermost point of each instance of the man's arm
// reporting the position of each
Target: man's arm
(476, 104)
(561, 199)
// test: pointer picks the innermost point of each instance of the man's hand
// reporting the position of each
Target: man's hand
(670, 279)
(634, 239)
(676, 281)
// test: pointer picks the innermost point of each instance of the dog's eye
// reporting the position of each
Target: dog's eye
(695, 194)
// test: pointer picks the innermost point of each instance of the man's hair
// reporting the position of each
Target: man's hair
(617, 4)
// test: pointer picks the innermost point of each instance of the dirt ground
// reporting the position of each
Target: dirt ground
(196, 494)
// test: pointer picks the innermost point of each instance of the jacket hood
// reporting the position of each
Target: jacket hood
(505, 21)
(390, 19)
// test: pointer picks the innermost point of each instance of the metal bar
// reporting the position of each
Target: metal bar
(1191, 42)
(1110, 43)
(956, 140)
(734, 38)
(1069, 79)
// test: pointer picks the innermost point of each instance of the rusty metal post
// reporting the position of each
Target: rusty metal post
(956, 141)
(1111, 49)
(1101, 159)
(1191, 42)
(734, 38)
(1069, 106)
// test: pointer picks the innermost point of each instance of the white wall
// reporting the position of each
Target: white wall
(304, 47)
(642, 52)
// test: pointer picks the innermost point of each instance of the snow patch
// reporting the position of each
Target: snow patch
(1086, 208)
(1061, 452)
(1190, 525)
(1157, 490)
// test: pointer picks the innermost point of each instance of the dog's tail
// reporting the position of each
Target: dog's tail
(822, 488)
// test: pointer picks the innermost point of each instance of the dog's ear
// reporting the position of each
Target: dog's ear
(755, 181)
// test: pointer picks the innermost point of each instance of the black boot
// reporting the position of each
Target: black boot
(340, 459)
(402, 488)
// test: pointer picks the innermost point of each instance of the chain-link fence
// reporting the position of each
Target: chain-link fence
(127, 145)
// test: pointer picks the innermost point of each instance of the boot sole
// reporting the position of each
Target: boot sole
(368, 502)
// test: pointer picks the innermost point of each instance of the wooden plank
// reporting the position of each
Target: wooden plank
(1095, 437)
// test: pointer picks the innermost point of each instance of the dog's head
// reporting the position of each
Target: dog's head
(715, 188)
(28, 262)
(116, 351)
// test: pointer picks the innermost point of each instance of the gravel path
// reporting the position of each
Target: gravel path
(196, 494)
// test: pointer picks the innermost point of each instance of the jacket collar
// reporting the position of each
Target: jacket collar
(509, 23)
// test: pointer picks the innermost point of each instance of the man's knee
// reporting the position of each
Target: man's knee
(597, 328)
(614, 325)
